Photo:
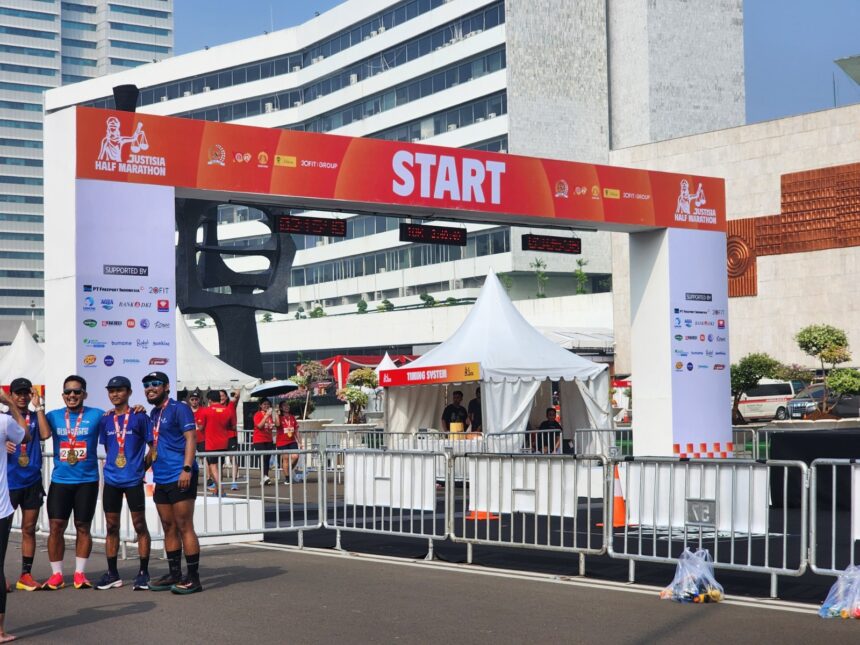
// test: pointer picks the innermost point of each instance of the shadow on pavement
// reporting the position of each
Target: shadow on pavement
(85, 616)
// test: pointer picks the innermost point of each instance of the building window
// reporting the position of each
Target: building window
(28, 237)
(21, 87)
(137, 11)
(21, 199)
(122, 62)
(20, 143)
(22, 255)
(27, 51)
(21, 125)
(18, 217)
(27, 69)
(74, 42)
(16, 161)
(12, 273)
(82, 8)
(21, 181)
(31, 15)
(74, 78)
(123, 44)
(28, 33)
(141, 29)
(17, 105)
(21, 311)
(74, 60)
(81, 26)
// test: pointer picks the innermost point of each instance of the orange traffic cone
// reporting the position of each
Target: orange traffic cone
(481, 515)
(619, 508)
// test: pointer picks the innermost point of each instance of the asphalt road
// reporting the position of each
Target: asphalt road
(267, 594)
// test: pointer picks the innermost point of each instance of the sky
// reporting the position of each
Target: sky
(789, 45)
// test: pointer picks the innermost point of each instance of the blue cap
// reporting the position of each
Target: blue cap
(119, 381)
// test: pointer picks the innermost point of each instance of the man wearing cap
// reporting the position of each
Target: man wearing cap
(125, 434)
(196, 405)
(74, 480)
(175, 471)
(218, 421)
(24, 474)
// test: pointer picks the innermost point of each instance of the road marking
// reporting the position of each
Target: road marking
(605, 585)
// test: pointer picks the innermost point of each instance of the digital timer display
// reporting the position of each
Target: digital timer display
(552, 244)
(450, 235)
(321, 226)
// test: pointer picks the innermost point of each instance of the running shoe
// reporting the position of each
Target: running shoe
(234, 486)
(267, 481)
(54, 582)
(141, 582)
(27, 583)
(109, 581)
(210, 483)
(187, 585)
(164, 583)
(81, 581)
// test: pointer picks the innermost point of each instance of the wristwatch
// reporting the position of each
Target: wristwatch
(186, 469)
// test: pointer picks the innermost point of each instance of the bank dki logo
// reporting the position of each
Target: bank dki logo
(113, 141)
(682, 210)
(163, 306)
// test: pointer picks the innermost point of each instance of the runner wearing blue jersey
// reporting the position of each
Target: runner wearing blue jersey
(125, 434)
(174, 469)
(74, 480)
(24, 474)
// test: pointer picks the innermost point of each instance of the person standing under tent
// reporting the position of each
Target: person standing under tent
(13, 428)
(476, 421)
(174, 469)
(549, 433)
(455, 418)
(74, 480)
(264, 437)
(125, 434)
(24, 475)
(232, 402)
(288, 439)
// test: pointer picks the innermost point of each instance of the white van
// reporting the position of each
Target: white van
(769, 399)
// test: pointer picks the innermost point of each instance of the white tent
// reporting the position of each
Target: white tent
(197, 368)
(517, 364)
(24, 357)
(385, 364)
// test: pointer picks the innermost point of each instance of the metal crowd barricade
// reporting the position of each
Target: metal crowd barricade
(390, 492)
(546, 502)
(834, 515)
(750, 515)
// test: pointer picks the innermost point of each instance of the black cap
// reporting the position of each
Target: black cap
(195, 394)
(19, 384)
(156, 376)
(119, 381)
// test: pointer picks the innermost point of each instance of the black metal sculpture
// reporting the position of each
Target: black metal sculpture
(200, 268)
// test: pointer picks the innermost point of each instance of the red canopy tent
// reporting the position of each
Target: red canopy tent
(340, 365)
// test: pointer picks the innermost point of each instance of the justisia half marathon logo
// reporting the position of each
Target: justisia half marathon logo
(113, 158)
(689, 206)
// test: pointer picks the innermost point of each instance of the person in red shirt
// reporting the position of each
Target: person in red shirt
(231, 402)
(195, 402)
(264, 434)
(288, 439)
(217, 424)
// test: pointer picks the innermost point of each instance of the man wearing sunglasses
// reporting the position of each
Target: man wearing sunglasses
(125, 433)
(174, 469)
(74, 480)
(24, 474)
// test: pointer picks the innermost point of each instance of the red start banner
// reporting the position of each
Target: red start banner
(459, 373)
(373, 174)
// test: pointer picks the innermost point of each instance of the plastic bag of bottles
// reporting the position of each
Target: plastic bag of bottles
(843, 600)
(694, 579)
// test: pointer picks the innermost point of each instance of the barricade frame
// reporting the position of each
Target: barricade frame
(814, 566)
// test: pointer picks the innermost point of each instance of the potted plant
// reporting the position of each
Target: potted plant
(357, 402)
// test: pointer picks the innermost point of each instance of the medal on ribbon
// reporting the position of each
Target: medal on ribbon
(23, 457)
(72, 456)
(120, 460)
(153, 452)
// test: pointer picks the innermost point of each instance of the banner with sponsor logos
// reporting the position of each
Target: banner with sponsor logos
(701, 383)
(125, 284)
(375, 174)
(459, 373)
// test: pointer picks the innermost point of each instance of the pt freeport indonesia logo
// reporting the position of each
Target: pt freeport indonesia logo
(111, 154)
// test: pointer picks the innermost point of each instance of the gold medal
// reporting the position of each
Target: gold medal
(120, 460)
(72, 457)
(23, 460)
(153, 454)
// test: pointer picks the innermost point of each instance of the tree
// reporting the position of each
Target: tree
(199, 322)
(507, 281)
(793, 372)
(385, 305)
(539, 267)
(317, 312)
(829, 345)
(745, 375)
(267, 317)
(580, 276)
(361, 305)
(363, 377)
(844, 381)
(427, 300)
(451, 300)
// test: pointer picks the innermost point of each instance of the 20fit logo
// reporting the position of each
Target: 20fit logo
(689, 206)
(113, 158)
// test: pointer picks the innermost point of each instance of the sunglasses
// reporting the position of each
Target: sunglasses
(153, 383)
(73, 390)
